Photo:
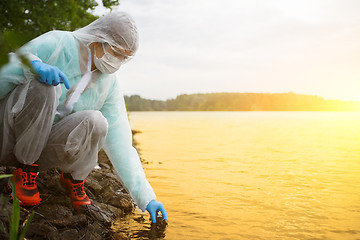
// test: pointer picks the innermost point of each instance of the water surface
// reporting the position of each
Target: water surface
(254, 175)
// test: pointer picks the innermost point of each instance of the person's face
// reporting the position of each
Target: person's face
(120, 54)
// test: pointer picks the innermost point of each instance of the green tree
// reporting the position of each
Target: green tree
(241, 102)
(22, 20)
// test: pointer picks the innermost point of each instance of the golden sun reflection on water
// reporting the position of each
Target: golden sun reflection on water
(254, 175)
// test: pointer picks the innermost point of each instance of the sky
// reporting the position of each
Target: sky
(262, 46)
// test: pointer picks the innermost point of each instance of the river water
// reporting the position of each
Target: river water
(253, 175)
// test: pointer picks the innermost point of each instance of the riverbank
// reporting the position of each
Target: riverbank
(54, 219)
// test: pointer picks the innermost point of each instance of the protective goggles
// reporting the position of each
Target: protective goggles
(120, 54)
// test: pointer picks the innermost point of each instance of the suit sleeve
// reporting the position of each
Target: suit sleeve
(124, 157)
(15, 73)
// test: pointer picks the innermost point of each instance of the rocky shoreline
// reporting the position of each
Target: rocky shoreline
(55, 220)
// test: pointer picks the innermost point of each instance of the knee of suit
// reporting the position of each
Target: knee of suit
(97, 122)
(40, 93)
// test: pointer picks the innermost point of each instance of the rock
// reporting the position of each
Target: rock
(122, 203)
(4, 234)
(70, 234)
(112, 176)
(104, 166)
(96, 175)
(54, 211)
(79, 220)
(107, 193)
(95, 213)
(113, 212)
(41, 231)
(93, 232)
(93, 186)
(48, 182)
(54, 218)
(101, 212)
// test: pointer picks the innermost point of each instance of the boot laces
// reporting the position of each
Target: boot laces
(28, 179)
(78, 190)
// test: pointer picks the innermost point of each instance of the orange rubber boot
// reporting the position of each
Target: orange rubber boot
(75, 190)
(25, 185)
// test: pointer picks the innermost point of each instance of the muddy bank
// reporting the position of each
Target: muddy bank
(54, 218)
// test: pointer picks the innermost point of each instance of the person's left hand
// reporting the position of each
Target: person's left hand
(154, 207)
(51, 75)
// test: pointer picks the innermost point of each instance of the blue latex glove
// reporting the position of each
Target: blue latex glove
(50, 74)
(153, 208)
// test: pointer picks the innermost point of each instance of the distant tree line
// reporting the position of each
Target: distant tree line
(241, 102)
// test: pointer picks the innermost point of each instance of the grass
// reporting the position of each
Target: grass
(14, 216)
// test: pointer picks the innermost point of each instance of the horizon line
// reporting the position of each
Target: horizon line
(306, 94)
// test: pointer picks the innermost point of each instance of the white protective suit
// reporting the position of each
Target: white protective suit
(94, 100)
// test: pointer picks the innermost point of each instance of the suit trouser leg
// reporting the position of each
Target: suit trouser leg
(26, 118)
(74, 143)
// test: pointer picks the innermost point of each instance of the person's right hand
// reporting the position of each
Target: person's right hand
(154, 207)
(50, 74)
